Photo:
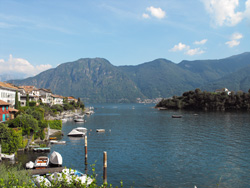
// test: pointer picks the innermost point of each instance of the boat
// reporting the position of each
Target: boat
(81, 129)
(79, 120)
(52, 138)
(57, 142)
(176, 116)
(78, 176)
(64, 120)
(55, 159)
(77, 133)
(90, 112)
(45, 149)
(6, 156)
(30, 165)
(41, 162)
(41, 181)
(100, 130)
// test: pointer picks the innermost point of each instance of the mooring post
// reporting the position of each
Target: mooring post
(86, 154)
(105, 165)
(86, 150)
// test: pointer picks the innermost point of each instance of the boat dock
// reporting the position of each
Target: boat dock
(45, 171)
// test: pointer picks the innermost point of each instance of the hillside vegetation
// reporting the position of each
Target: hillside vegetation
(97, 80)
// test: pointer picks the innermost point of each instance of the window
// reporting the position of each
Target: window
(3, 108)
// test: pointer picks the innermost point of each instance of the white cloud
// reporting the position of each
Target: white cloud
(235, 40)
(19, 65)
(236, 36)
(156, 12)
(195, 51)
(200, 42)
(223, 12)
(145, 15)
(232, 43)
(179, 47)
(247, 11)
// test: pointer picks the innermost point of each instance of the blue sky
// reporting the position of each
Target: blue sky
(41, 34)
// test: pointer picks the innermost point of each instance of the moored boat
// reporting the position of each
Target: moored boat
(6, 156)
(57, 142)
(176, 116)
(76, 133)
(81, 129)
(29, 165)
(55, 159)
(41, 162)
(100, 130)
(79, 120)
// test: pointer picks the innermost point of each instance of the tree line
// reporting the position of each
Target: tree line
(203, 100)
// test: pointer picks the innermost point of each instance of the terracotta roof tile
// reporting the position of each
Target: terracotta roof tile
(8, 85)
(3, 103)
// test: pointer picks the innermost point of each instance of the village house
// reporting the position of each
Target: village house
(45, 96)
(8, 93)
(32, 91)
(57, 99)
(223, 90)
(71, 98)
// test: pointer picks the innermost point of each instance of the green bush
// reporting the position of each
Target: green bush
(55, 124)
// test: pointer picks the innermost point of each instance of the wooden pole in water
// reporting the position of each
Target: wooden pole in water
(86, 150)
(105, 165)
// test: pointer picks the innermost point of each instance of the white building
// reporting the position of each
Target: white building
(57, 99)
(45, 96)
(8, 93)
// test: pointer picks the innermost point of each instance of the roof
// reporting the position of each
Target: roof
(46, 90)
(8, 85)
(4, 103)
(28, 89)
(13, 110)
(57, 96)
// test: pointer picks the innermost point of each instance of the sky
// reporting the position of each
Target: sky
(42, 34)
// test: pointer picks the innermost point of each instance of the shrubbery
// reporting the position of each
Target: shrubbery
(55, 124)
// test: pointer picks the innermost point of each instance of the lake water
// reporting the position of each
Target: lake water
(148, 148)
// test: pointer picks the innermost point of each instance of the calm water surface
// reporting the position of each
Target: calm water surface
(148, 148)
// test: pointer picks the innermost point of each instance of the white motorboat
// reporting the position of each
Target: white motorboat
(81, 129)
(55, 159)
(30, 165)
(57, 142)
(75, 132)
(100, 130)
(41, 162)
(6, 156)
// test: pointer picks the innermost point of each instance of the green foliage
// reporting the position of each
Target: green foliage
(14, 176)
(55, 124)
(57, 107)
(27, 99)
(9, 139)
(67, 106)
(198, 100)
(17, 105)
(32, 103)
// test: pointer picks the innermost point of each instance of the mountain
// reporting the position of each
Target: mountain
(239, 80)
(97, 80)
(161, 78)
(211, 70)
(93, 80)
(5, 77)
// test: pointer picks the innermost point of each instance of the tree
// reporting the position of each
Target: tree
(16, 101)
(27, 100)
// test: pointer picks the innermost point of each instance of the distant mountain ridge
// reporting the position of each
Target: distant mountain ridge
(97, 80)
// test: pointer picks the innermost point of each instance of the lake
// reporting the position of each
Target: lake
(148, 148)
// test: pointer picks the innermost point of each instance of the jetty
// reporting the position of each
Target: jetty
(45, 171)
